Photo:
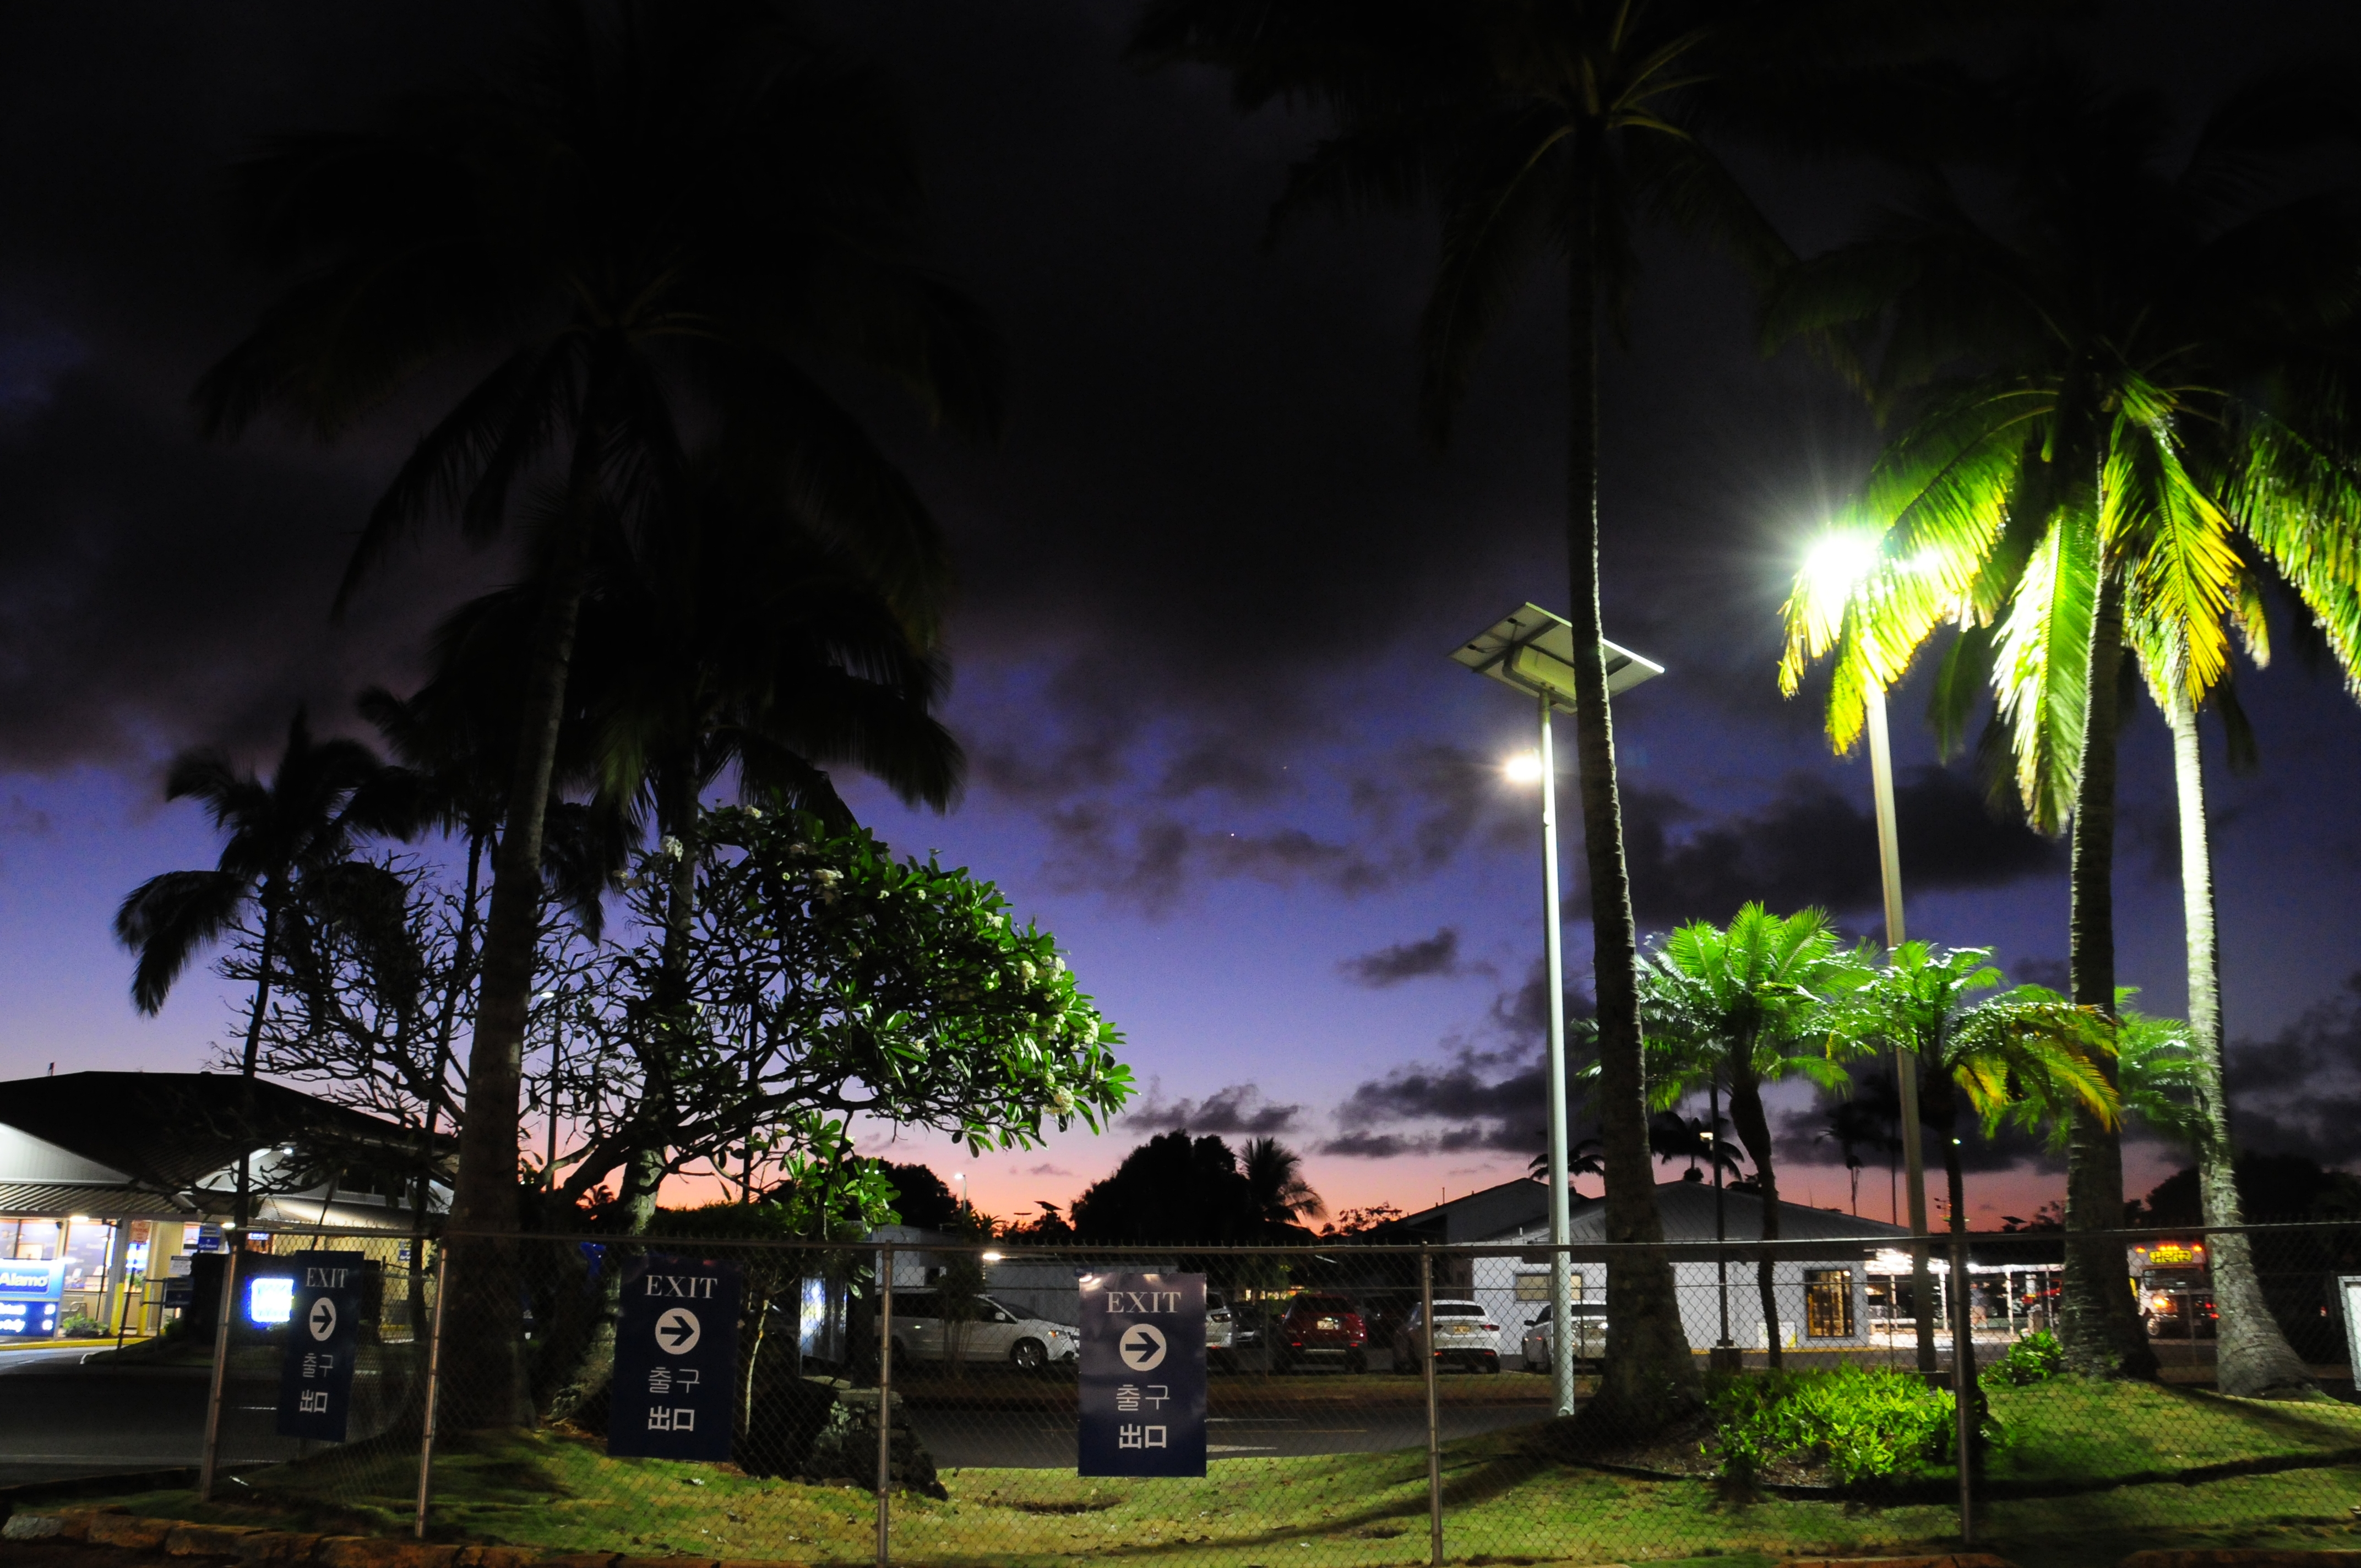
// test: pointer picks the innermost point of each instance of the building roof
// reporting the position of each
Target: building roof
(1687, 1208)
(159, 1143)
(1518, 1211)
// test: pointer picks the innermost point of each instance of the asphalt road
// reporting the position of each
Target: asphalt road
(61, 1419)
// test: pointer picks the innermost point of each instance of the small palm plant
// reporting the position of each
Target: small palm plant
(2027, 1056)
(1736, 1007)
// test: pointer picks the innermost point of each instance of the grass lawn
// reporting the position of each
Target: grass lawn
(2092, 1472)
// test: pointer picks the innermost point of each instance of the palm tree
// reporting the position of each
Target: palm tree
(2027, 1056)
(1554, 131)
(300, 824)
(733, 641)
(2103, 393)
(1747, 998)
(1275, 1187)
(1857, 1126)
(650, 210)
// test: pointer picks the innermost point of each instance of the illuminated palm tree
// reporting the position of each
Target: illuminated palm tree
(2101, 397)
(652, 215)
(1747, 999)
(2027, 1055)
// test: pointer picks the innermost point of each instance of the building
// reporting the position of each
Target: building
(112, 1182)
(1827, 1301)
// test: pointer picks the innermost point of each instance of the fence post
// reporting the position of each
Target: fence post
(1433, 1429)
(231, 1243)
(885, 1397)
(1963, 1385)
(434, 1382)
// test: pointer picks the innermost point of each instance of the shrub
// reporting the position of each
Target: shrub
(2036, 1358)
(1864, 1424)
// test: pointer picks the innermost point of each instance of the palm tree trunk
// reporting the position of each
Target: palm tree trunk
(463, 959)
(2097, 1326)
(243, 1210)
(1650, 1376)
(1753, 1127)
(485, 1371)
(2255, 1359)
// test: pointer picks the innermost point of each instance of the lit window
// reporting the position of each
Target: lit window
(1828, 1303)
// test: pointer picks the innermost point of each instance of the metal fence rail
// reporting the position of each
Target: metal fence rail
(918, 1403)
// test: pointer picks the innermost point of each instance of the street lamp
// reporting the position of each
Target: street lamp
(1532, 650)
(1833, 570)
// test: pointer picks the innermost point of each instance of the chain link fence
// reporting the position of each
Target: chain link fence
(1364, 1404)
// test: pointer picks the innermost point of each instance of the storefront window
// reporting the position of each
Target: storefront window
(1828, 1303)
(86, 1244)
(37, 1240)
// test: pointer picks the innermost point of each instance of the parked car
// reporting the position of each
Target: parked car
(1463, 1335)
(1228, 1330)
(1320, 1328)
(1589, 1336)
(991, 1333)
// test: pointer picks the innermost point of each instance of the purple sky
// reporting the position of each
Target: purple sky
(1211, 584)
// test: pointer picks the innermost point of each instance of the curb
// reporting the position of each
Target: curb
(252, 1546)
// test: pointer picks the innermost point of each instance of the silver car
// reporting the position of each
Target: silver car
(1590, 1335)
(986, 1331)
(1463, 1333)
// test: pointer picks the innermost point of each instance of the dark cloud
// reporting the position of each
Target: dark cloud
(155, 587)
(1048, 1168)
(1816, 845)
(2298, 1092)
(1402, 817)
(1431, 955)
(1238, 1108)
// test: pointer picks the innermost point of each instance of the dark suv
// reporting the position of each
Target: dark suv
(1320, 1328)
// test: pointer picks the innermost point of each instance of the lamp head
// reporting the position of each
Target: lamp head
(1840, 563)
(1524, 768)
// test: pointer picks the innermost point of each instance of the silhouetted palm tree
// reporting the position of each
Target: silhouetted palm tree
(649, 210)
(301, 823)
(1274, 1176)
(1550, 132)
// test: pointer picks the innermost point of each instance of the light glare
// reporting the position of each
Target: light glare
(1525, 767)
(1839, 563)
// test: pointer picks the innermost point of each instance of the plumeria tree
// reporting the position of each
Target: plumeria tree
(827, 980)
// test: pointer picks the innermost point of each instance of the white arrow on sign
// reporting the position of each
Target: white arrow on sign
(1142, 1347)
(323, 1321)
(677, 1330)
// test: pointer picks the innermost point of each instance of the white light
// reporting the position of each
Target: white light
(1839, 563)
(992, 1257)
(270, 1299)
(1525, 767)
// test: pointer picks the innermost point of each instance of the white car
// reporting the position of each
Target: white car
(988, 1332)
(1463, 1332)
(1590, 1335)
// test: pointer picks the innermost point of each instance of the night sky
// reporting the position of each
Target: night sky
(1210, 583)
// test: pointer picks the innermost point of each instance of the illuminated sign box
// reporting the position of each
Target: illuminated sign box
(23, 1277)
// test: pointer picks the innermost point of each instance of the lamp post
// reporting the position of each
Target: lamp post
(1532, 650)
(1836, 567)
